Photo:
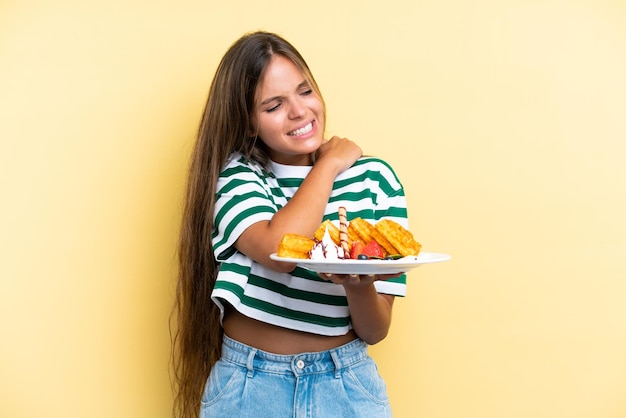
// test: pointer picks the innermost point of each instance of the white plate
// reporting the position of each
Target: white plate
(401, 265)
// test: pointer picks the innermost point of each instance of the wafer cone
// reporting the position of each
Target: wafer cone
(343, 231)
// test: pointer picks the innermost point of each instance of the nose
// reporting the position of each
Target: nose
(296, 109)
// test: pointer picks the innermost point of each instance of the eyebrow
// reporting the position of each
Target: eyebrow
(305, 83)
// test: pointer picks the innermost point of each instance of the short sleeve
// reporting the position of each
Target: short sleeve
(242, 199)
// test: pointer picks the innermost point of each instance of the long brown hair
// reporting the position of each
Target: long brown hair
(225, 128)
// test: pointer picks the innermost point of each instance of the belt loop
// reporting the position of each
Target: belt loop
(250, 362)
(337, 361)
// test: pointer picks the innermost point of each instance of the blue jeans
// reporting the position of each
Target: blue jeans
(342, 382)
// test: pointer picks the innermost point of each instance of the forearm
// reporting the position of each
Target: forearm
(370, 312)
(301, 215)
(305, 210)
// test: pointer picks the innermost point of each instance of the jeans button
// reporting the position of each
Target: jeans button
(300, 364)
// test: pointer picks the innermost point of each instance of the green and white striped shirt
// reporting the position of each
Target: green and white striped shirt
(300, 300)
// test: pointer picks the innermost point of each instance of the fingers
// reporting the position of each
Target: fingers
(342, 149)
(351, 279)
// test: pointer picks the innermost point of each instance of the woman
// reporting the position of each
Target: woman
(258, 337)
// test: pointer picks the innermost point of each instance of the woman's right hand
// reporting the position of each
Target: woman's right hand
(342, 153)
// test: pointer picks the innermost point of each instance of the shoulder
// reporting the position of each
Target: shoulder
(239, 169)
(237, 163)
(374, 163)
(374, 168)
(240, 175)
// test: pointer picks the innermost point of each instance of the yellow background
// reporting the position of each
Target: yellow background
(506, 121)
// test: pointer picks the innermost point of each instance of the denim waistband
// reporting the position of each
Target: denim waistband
(299, 364)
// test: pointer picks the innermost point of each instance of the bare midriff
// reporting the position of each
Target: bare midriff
(278, 340)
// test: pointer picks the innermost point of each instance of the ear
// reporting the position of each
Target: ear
(252, 131)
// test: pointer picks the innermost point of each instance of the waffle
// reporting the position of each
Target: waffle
(390, 235)
(367, 232)
(397, 236)
(295, 246)
(333, 231)
(360, 228)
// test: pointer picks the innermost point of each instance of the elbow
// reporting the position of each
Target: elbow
(375, 340)
(281, 267)
(372, 338)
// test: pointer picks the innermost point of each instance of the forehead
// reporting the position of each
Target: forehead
(280, 75)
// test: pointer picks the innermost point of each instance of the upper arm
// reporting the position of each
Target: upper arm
(243, 206)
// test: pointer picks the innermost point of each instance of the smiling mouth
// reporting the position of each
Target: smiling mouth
(304, 130)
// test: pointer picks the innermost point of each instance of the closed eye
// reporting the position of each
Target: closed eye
(273, 108)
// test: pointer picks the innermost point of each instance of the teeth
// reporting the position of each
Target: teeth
(302, 131)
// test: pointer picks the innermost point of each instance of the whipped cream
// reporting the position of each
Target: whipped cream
(326, 249)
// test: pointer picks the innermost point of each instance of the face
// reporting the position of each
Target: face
(289, 115)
